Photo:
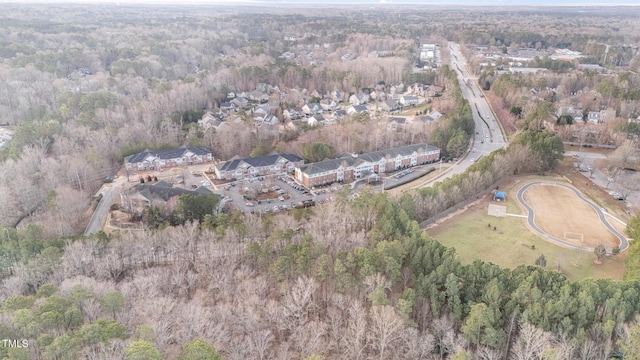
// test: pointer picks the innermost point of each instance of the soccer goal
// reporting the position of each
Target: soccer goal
(568, 235)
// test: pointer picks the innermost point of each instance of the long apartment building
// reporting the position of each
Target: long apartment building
(238, 168)
(159, 159)
(352, 167)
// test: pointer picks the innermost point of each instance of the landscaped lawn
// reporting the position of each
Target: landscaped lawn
(512, 244)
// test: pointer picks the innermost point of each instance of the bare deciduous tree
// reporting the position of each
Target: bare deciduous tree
(385, 329)
(416, 345)
(309, 338)
(625, 156)
(530, 343)
(298, 300)
(356, 339)
(260, 340)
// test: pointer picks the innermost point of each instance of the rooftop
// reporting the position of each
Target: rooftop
(167, 154)
(372, 157)
(260, 161)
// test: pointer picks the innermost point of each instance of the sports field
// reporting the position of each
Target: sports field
(560, 213)
(513, 243)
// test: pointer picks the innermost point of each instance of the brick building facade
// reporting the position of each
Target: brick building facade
(352, 167)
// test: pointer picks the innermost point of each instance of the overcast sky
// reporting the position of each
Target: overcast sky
(423, 2)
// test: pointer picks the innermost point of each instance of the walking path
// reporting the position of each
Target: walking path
(624, 242)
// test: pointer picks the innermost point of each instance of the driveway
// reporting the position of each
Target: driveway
(102, 210)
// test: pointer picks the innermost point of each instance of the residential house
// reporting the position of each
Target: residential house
(240, 103)
(357, 109)
(339, 114)
(359, 99)
(293, 113)
(395, 123)
(261, 110)
(287, 55)
(352, 167)
(229, 106)
(422, 119)
(210, 120)
(389, 105)
(142, 196)
(598, 117)
(417, 89)
(5, 136)
(258, 96)
(378, 95)
(316, 120)
(396, 89)
(434, 115)
(266, 120)
(257, 166)
(312, 108)
(328, 104)
(328, 121)
(408, 100)
(160, 159)
(576, 114)
(337, 96)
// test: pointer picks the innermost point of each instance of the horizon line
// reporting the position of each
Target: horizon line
(381, 3)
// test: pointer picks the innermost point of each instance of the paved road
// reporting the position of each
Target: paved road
(487, 138)
(603, 180)
(100, 214)
(488, 130)
(624, 243)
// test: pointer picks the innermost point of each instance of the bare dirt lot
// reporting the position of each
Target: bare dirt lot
(559, 211)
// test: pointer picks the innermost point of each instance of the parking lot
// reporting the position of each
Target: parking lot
(264, 194)
(403, 173)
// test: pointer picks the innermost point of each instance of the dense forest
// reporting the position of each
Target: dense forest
(84, 86)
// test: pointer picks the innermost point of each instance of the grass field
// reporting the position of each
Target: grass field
(513, 244)
(559, 210)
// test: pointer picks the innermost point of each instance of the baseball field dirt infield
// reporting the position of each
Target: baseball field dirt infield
(559, 212)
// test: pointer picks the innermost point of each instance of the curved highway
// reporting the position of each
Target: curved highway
(624, 243)
(488, 137)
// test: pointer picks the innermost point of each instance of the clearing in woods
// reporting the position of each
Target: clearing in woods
(558, 211)
(512, 243)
